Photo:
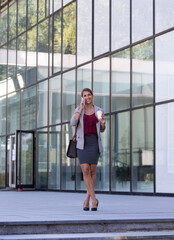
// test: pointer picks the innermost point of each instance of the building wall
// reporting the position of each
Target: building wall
(123, 50)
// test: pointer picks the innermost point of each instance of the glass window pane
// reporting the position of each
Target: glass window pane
(164, 15)
(3, 70)
(31, 56)
(41, 9)
(84, 31)
(121, 152)
(164, 148)
(101, 77)
(21, 16)
(50, 46)
(142, 75)
(21, 60)
(121, 80)
(55, 100)
(84, 79)
(120, 23)
(66, 2)
(54, 157)
(68, 165)
(68, 95)
(28, 114)
(101, 27)
(12, 19)
(57, 42)
(13, 117)
(42, 159)
(69, 36)
(2, 161)
(2, 115)
(164, 69)
(57, 4)
(12, 66)
(32, 13)
(142, 152)
(142, 19)
(42, 104)
(43, 50)
(3, 25)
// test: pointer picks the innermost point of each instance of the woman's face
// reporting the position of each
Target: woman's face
(88, 97)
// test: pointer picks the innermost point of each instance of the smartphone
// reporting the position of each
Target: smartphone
(83, 102)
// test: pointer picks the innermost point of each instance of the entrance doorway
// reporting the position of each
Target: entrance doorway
(25, 159)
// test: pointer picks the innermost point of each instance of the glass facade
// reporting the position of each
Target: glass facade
(50, 51)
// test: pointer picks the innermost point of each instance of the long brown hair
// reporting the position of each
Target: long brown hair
(86, 90)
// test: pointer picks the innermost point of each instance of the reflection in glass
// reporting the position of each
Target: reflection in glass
(142, 19)
(164, 69)
(12, 66)
(2, 161)
(142, 150)
(121, 152)
(164, 148)
(41, 9)
(21, 60)
(101, 79)
(69, 36)
(3, 25)
(32, 13)
(13, 118)
(54, 157)
(120, 23)
(3, 70)
(164, 15)
(43, 50)
(142, 75)
(31, 56)
(42, 160)
(101, 27)
(2, 115)
(68, 95)
(55, 100)
(68, 165)
(42, 104)
(28, 114)
(121, 80)
(50, 46)
(12, 19)
(57, 4)
(84, 79)
(84, 31)
(21, 16)
(57, 42)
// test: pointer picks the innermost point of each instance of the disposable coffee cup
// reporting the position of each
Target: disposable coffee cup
(99, 115)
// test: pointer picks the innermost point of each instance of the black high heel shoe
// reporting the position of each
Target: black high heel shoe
(95, 209)
(85, 208)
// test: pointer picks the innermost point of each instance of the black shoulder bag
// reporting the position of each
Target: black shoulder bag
(72, 151)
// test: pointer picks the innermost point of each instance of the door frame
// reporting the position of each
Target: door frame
(18, 161)
(11, 167)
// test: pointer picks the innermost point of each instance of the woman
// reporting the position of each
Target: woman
(89, 144)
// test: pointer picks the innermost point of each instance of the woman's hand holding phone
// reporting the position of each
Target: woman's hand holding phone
(82, 104)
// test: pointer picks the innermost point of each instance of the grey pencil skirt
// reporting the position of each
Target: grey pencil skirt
(90, 153)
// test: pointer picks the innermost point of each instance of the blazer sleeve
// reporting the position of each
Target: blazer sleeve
(74, 122)
(105, 125)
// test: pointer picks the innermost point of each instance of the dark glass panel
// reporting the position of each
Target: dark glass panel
(12, 19)
(22, 6)
(3, 25)
(43, 50)
(142, 75)
(32, 13)
(28, 114)
(69, 36)
(68, 164)
(31, 56)
(13, 117)
(143, 150)
(54, 157)
(42, 159)
(121, 152)
(121, 80)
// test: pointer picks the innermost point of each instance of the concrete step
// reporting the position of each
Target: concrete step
(86, 226)
(94, 236)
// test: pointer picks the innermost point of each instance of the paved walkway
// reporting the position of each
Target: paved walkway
(29, 206)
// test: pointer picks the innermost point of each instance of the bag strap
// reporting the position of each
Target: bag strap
(74, 137)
